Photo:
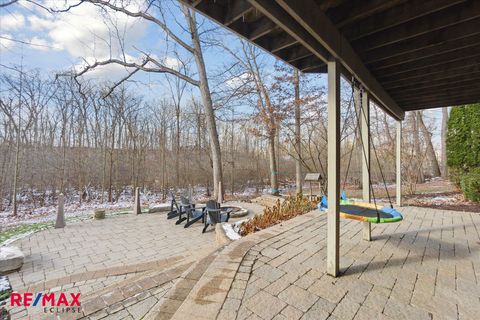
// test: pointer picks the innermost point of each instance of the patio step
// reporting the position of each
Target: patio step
(173, 299)
(118, 298)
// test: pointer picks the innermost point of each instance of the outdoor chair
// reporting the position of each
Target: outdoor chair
(192, 215)
(215, 214)
(175, 209)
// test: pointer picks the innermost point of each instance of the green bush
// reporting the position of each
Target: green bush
(470, 184)
(463, 138)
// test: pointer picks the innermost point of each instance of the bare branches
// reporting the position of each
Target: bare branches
(139, 14)
(5, 4)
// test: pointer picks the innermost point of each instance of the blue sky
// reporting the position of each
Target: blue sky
(59, 42)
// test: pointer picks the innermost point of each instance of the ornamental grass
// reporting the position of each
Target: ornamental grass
(292, 206)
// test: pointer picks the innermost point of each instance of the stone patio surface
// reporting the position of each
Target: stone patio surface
(146, 267)
(115, 263)
(426, 267)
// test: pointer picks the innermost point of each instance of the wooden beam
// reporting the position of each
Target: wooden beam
(436, 21)
(365, 134)
(433, 89)
(282, 19)
(436, 85)
(444, 103)
(445, 68)
(259, 28)
(294, 53)
(437, 78)
(319, 68)
(277, 42)
(450, 58)
(211, 9)
(308, 63)
(445, 94)
(432, 51)
(394, 16)
(351, 11)
(319, 26)
(236, 10)
(426, 40)
(322, 69)
(254, 29)
(333, 165)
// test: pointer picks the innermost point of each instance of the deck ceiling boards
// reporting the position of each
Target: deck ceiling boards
(419, 53)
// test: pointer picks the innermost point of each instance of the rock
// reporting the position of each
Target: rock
(164, 207)
(99, 214)
(11, 258)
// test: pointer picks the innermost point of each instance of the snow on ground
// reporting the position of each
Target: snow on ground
(27, 215)
(229, 232)
(30, 212)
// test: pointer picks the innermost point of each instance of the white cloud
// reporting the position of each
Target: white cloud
(88, 31)
(40, 24)
(13, 21)
(4, 42)
(41, 44)
(239, 80)
(172, 63)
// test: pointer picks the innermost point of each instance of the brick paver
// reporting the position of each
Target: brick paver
(110, 255)
(426, 267)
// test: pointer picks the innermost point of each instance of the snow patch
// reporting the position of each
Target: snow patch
(229, 232)
(4, 284)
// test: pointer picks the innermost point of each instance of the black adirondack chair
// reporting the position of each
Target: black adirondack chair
(192, 215)
(215, 214)
(175, 209)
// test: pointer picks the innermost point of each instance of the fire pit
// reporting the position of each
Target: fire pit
(237, 211)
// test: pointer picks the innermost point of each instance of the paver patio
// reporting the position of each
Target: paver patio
(122, 260)
(425, 267)
(422, 268)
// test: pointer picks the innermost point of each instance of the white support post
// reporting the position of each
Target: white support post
(333, 164)
(365, 132)
(399, 163)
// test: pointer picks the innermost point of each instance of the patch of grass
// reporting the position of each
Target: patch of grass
(292, 206)
(31, 228)
(10, 233)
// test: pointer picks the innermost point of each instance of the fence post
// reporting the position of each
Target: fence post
(137, 208)
(60, 223)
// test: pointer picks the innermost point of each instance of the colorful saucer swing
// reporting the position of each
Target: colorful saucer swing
(364, 211)
(359, 210)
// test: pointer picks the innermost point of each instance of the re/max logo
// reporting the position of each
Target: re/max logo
(52, 299)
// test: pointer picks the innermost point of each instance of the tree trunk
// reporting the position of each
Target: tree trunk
(444, 142)
(273, 162)
(17, 170)
(416, 143)
(207, 104)
(430, 152)
(298, 135)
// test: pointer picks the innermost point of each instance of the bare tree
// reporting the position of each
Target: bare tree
(430, 151)
(150, 64)
(444, 142)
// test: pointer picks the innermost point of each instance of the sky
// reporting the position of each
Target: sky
(59, 42)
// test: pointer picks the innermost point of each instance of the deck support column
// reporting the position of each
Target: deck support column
(333, 164)
(398, 159)
(365, 133)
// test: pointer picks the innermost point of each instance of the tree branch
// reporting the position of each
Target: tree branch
(139, 14)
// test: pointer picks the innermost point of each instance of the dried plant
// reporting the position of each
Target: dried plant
(293, 206)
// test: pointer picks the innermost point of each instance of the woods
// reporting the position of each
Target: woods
(246, 122)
